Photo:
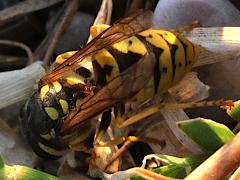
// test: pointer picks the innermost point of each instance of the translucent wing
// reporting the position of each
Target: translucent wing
(126, 85)
(119, 31)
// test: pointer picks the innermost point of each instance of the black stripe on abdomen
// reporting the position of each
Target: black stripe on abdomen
(173, 48)
(124, 60)
(157, 73)
(157, 53)
(185, 51)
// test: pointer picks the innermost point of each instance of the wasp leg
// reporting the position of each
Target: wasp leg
(126, 142)
(103, 126)
(121, 122)
(187, 28)
(97, 29)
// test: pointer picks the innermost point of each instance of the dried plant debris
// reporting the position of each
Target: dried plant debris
(18, 85)
(190, 89)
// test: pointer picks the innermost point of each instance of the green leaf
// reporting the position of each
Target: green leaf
(208, 134)
(2, 168)
(18, 172)
(179, 167)
(234, 112)
(175, 167)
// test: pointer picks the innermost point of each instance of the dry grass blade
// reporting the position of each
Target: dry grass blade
(217, 44)
(105, 13)
(24, 8)
(66, 18)
(21, 45)
(221, 163)
(17, 85)
(171, 117)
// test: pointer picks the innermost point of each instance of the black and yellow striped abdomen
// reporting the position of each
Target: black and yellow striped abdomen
(174, 55)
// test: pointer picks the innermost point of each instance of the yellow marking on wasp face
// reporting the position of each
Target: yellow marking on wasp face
(52, 112)
(50, 150)
(57, 86)
(62, 57)
(44, 91)
(103, 58)
(72, 80)
(46, 136)
(132, 44)
(49, 135)
(64, 105)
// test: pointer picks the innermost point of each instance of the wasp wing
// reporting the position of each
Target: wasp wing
(119, 31)
(121, 88)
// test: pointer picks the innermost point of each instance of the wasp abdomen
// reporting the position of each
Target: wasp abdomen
(174, 55)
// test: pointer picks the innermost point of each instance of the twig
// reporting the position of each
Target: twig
(221, 163)
(12, 62)
(236, 175)
(66, 18)
(21, 45)
(43, 46)
(25, 7)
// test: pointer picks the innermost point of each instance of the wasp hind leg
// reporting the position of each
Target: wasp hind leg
(152, 109)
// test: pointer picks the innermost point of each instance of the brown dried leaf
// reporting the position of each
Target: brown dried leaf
(190, 89)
